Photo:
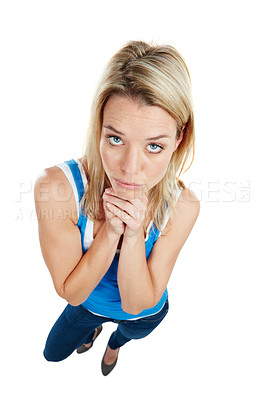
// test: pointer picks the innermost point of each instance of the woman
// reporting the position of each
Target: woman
(112, 223)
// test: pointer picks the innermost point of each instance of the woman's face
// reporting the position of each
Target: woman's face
(136, 145)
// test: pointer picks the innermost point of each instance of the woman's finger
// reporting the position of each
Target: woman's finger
(142, 198)
(120, 203)
(121, 214)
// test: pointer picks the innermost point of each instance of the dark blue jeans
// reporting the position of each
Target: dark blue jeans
(76, 325)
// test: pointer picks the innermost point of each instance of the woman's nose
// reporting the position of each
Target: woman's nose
(131, 163)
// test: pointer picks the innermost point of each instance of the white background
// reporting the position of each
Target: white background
(212, 343)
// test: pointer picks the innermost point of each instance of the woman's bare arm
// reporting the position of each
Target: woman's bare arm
(74, 275)
(142, 282)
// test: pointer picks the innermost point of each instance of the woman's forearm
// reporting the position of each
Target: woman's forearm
(91, 268)
(133, 277)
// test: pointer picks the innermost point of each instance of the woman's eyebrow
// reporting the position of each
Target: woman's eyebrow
(113, 129)
(122, 134)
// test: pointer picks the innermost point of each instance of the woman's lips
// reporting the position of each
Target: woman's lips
(127, 185)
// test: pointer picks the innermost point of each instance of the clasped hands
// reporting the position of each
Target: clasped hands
(124, 216)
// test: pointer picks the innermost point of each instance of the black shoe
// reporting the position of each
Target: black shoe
(82, 348)
(106, 369)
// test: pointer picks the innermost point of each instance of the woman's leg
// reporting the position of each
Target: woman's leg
(74, 327)
(136, 329)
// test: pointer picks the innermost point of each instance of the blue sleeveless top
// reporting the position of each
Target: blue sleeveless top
(105, 299)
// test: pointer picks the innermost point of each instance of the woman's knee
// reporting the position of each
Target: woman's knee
(53, 357)
(133, 331)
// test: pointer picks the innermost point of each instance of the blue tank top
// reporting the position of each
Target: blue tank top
(105, 299)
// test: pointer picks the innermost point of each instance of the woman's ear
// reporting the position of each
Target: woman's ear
(179, 140)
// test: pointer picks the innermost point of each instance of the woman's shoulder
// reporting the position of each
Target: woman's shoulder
(53, 189)
(188, 202)
(185, 212)
(58, 175)
(180, 184)
(53, 178)
(186, 194)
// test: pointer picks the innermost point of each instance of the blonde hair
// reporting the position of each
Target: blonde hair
(155, 75)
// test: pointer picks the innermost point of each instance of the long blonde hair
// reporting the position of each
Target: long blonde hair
(155, 75)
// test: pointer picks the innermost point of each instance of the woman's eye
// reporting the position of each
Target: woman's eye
(114, 140)
(155, 147)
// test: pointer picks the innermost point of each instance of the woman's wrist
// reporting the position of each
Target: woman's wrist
(133, 239)
(110, 234)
